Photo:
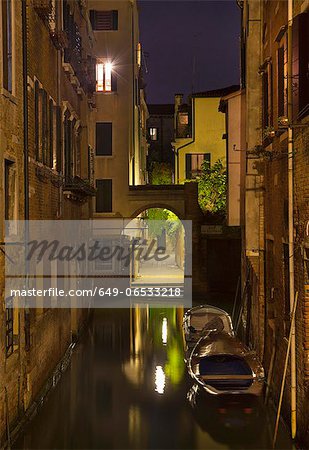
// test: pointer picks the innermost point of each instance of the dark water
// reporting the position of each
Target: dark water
(127, 388)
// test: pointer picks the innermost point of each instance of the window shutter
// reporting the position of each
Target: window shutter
(114, 82)
(44, 125)
(51, 133)
(188, 166)
(303, 65)
(300, 69)
(265, 99)
(104, 195)
(115, 19)
(104, 20)
(270, 93)
(280, 62)
(5, 62)
(93, 19)
(68, 147)
(104, 138)
(58, 139)
(36, 120)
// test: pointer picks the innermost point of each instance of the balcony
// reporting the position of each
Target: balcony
(77, 188)
(43, 7)
(81, 70)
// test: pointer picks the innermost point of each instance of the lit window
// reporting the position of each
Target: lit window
(153, 134)
(100, 77)
(105, 78)
(139, 54)
(108, 77)
(194, 164)
(183, 118)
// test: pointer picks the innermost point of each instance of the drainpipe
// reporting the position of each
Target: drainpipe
(25, 110)
(188, 143)
(26, 158)
(133, 90)
(291, 221)
(59, 67)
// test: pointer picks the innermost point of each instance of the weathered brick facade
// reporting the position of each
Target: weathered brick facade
(42, 336)
(272, 157)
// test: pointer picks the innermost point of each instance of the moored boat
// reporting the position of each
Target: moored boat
(204, 319)
(222, 364)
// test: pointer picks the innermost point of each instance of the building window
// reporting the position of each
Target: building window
(68, 146)
(104, 20)
(282, 81)
(9, 189)
(153, 133)
(194, 163)
(7, 44)
(54, 131)
(183, 118)
(267, 96)
(182, 126)
(106, 77)
(72, 146)
(104, 196)
(46, 129)
(300, 70)
(104, 139)
(9, 328)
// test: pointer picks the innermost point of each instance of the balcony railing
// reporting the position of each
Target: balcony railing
(43, 7)
(84, 68)
(77, 185)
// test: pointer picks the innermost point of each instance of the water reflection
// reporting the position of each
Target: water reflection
(159, 380)
(127, 388)
(229, 419)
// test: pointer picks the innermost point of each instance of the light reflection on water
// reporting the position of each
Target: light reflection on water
(127, 387)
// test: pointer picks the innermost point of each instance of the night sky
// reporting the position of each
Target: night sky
(175, 33)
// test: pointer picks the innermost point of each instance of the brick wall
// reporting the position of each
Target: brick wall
(24, 372)
(276, 233)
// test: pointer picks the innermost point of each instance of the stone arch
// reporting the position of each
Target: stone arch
(171, 208)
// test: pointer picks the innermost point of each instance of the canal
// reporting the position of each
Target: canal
(127, 388)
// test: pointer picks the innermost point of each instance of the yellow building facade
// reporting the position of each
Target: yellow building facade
(200, 130)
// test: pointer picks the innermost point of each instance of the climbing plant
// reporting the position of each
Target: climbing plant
(212, 186)
(160, 173)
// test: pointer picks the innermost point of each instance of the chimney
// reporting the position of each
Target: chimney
(178, 101)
